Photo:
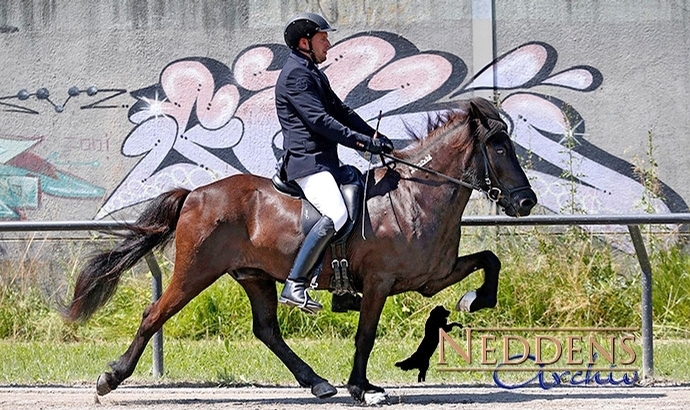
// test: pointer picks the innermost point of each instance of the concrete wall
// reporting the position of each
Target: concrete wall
(105, 104)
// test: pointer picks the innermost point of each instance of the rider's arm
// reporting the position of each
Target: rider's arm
(303, 95)
(352, 119)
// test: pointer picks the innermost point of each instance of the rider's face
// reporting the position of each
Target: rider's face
(320, 45)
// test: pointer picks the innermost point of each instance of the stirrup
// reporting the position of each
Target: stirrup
(308, 306)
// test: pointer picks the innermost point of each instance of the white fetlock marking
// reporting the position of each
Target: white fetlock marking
(375, 398)
(466, 301)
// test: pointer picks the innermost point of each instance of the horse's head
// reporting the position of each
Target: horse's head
(503, 179)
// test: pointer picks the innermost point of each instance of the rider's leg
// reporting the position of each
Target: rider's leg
(322, 191)
(353, 201)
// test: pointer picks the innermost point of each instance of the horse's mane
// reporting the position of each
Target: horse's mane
(438, 123)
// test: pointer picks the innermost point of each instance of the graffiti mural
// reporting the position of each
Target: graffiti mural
(25, 177)
(205, 120)
(569, 174)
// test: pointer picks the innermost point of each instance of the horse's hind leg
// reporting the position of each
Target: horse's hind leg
(264, 301)
(183, 288)
(485, 296)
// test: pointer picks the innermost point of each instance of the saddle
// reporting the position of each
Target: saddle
(351, 187)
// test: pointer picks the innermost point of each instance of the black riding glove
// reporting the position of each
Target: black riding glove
(380, 144)
(387, 143)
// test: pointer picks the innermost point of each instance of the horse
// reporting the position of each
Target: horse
(241, 225)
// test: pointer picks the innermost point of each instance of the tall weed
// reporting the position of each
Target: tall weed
(550, 280)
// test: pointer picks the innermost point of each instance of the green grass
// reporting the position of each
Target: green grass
(551, 281)
(565, 280)
(216, 362)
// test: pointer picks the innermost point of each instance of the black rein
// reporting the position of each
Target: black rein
(438, 174)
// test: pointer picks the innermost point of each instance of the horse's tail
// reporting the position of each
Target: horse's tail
(98, 280)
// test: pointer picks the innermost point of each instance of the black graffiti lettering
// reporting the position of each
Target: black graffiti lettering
(116, 92)
(17, 108)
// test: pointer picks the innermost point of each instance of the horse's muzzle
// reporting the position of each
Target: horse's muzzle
(521, 202)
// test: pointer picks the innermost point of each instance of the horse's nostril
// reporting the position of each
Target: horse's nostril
(527, 203)
(525, 206)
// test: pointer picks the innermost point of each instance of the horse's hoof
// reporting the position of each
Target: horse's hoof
(376, 398)
(103, 385)
(465, 301)
(323, 390)
(368, 394)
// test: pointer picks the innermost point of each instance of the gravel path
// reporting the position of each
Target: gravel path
(401, 397)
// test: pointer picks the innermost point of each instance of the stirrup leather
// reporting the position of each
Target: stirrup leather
(341, 282)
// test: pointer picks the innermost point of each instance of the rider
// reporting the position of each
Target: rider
(314, 121)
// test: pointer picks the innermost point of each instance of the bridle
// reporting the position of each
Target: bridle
(393, 159)
(493, 192)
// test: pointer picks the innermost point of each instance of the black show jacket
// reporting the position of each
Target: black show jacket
(314, 120)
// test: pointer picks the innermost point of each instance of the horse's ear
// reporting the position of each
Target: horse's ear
(475, 112)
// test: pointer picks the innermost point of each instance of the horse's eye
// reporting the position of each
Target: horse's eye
(501, 151)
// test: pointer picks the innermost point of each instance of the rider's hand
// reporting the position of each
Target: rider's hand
(387, 144)
(380, 144)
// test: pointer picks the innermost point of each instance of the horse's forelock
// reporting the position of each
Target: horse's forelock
(486, 108)
(487, 117)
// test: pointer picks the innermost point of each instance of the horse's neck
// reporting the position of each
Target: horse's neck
(437, 201)
(441, 153)
(440, 196)
(442, 156)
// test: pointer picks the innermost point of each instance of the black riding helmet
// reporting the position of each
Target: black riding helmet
(304, 25)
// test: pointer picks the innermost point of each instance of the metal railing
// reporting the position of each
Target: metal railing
(633, 223)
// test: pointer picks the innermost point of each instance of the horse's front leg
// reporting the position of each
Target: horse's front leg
(485, 296)
(358, 385)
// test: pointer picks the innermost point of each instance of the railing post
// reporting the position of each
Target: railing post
(156, 290)
(646, 302)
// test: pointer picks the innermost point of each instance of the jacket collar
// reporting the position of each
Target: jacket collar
(302, 59)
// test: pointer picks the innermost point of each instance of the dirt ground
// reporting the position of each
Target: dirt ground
(401, 397)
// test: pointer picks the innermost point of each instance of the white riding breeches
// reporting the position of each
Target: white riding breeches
(323, 192)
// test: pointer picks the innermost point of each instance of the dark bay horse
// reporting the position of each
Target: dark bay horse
(242, 226)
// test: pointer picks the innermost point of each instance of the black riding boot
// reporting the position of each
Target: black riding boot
(295, 290)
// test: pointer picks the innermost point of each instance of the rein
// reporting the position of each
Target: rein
(493, 193)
